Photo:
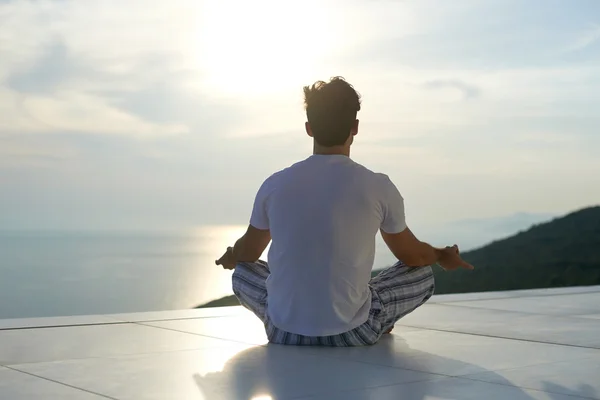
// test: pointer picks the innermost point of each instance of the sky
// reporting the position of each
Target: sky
(137, 114)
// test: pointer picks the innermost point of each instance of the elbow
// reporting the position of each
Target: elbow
(415, 260)
(248, 257)
(413, 263)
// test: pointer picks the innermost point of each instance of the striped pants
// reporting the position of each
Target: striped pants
(396, 292)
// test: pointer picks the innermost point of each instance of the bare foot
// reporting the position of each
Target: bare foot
(389, 330)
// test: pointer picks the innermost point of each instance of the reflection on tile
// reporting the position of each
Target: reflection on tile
(569, 304)
(276, 371)
(448, 298)
(246, 329)
(507, 324)
(19, 386)
(454, 353)
(49, 344)
(54, 321)
(400, 330)
(556, 291)
(180, 314)
(577, 378)
(443, 389)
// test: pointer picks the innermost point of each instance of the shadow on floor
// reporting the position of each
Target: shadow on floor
(278, 372)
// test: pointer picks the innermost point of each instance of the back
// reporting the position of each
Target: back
(324, 214)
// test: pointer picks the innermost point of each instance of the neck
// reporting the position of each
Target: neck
(322, 150)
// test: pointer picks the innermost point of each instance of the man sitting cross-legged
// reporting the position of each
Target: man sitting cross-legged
(322, 215)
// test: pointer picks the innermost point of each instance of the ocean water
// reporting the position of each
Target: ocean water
(73, 273)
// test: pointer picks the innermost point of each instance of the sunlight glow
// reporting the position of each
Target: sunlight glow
(216, 238)
(243, 328)
(211, 369)
(263, 46)
(210, 242)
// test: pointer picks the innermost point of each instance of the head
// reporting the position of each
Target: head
(331, 109)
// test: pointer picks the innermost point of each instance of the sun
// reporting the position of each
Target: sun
(263, 46)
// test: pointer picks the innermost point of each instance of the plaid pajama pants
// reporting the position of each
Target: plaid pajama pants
(396, 292)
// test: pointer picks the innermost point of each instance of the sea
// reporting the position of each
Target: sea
(59, 273)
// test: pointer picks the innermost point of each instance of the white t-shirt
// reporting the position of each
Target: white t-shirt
(324, 213)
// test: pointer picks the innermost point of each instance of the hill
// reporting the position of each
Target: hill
(562, 252)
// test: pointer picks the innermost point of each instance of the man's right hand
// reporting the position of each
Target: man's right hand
(450, 259)
(227, 260)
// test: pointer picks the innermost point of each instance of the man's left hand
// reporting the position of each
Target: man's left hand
(227, 260)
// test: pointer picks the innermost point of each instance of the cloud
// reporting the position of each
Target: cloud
(81, 82)
(586, 38)
(68, 68)
(73, 111)
(30, 152)
(52, 68)
(495, 34)
(467, 91)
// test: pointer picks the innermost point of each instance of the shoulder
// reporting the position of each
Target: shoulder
(269, 183)
(384, 185)
(378, 178)
(275, 178)
(383, 179)
(380, 184)
(290, 169)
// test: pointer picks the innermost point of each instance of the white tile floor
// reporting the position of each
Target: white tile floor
(541, 344)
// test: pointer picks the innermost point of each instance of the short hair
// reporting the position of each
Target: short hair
(331, 109)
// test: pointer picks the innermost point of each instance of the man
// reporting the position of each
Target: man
(323, 214)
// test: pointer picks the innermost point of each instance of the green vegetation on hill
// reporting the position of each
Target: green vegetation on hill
(562, 252)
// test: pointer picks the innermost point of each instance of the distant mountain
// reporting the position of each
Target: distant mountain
(562, 252)
(505, 224)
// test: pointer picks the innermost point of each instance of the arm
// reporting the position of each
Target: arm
(403, 243)
(249, 247)
(414, 253)
(410, 250)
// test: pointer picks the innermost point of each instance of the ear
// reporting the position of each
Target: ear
(354, 130)
(308, 129)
